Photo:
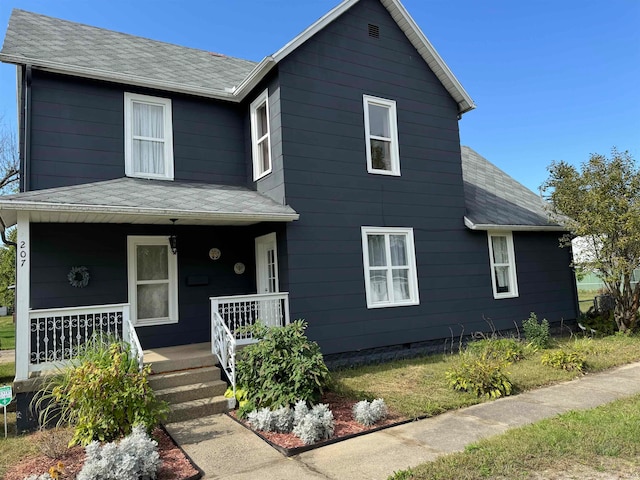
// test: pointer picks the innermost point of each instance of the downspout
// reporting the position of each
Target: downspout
(4, 236)
(26, 157)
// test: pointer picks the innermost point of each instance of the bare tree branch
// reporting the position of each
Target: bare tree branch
(9, 159)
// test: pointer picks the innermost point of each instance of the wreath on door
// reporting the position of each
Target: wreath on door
(78, 277)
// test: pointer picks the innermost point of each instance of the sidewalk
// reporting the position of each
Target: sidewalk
(224, 449)
(7, 356)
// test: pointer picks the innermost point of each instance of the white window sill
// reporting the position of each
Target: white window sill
(387, 305)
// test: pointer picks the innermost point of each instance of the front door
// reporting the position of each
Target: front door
(269, 310)
(267, 264)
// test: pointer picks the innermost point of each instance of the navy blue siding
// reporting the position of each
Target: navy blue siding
(77, 134)
(58, 247)
(321, 88)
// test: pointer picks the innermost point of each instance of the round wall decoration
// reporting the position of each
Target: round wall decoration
(239, 268)
(214, 253)
(78, 277)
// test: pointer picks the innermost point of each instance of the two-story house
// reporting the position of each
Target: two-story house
(172, 194)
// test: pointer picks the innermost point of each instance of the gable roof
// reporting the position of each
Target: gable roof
(72, 48)
(135, 200)
(495, 201)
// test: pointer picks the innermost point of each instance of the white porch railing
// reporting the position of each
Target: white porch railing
(240, 311)
(230, 314)
(56, 334)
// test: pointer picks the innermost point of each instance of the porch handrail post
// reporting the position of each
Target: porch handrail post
(286, 309)
(22, 297)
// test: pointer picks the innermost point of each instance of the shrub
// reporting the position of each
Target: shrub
(135, 457)
(282, 367)
(501, 349)
(103, 395)
(572, 360)
(316, 425)
(481, 376)
(370, 413)
(536, 333)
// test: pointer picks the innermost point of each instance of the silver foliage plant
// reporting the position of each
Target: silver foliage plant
(310, 425)
(44, 476)
(369, 414)
(135, 457)
(316, 425)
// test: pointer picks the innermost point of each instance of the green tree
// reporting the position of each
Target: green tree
(8, 270)
(601, 203)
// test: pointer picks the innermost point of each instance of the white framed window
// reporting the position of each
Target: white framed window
(502, 257)
(381, 135)
(260, 136)
(153, 280)
(148, 137)
(390, 274)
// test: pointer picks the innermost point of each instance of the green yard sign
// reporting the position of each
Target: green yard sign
(5, 395)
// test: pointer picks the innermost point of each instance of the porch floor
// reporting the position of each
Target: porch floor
(178, 352)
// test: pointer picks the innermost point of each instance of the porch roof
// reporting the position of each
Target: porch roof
(141, 201)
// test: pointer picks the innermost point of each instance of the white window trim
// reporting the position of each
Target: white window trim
(414, 296)
(393, 126)
(132, 243)
(129, 99)
(263, 98)
(513, 276)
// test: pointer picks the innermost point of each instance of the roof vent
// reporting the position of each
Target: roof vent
(374, 31)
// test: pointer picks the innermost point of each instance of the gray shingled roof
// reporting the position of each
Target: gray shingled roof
(131, 200)
(493, 198)
(36, 38)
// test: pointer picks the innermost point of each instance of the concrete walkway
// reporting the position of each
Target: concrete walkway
(7, 356)
(224, 449)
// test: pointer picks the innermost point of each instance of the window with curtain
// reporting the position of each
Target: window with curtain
(260, 137)
(148, 137)
(381, 133)
(153, 288)
(389, 266)
(503, 267)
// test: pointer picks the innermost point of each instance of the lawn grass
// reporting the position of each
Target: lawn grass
(7, 373)
(418, 387)
(7, 333)
(606, 438)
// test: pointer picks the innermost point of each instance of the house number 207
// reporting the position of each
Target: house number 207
(23, 253)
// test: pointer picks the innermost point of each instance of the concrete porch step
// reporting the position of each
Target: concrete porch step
(162, 381)
(183, 411)
(195, 391)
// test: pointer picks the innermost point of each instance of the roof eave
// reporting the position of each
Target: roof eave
(512, 228)
(123, 78)
(12, 207)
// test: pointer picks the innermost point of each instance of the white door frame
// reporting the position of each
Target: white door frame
(267, 281)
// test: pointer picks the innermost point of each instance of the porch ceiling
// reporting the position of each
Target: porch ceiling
(140, 201)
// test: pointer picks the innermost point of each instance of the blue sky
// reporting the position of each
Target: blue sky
(552, 80)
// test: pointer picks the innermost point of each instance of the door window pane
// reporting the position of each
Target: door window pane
(152, 262)
(153, 301)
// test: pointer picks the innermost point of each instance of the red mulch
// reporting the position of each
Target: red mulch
(175, 466)
(345, 425)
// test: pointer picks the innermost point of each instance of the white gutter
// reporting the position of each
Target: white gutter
(512, 228)
(158, 212)
(255, 76)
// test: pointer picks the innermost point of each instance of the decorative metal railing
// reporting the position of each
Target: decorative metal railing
(223, 345)
(240, 311)
(56, 334)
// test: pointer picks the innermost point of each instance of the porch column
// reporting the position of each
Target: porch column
(22, 304)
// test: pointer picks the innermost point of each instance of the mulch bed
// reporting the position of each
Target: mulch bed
(345, 427)
(175, 463)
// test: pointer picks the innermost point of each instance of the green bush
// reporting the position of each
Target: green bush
(102, 394)
(572, 360)
(502, 349)
(282, 367)
(480, 375)
(536, 333)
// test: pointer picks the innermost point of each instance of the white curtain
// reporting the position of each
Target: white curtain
(378, 283)
(148, 138)
(400, 284)
(377, 255)
(500, 258)
(152, 265)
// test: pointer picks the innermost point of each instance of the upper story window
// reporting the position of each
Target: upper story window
(148, 137)
(390, 274)
(260, 141)
(381, 133)
(503, 265)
